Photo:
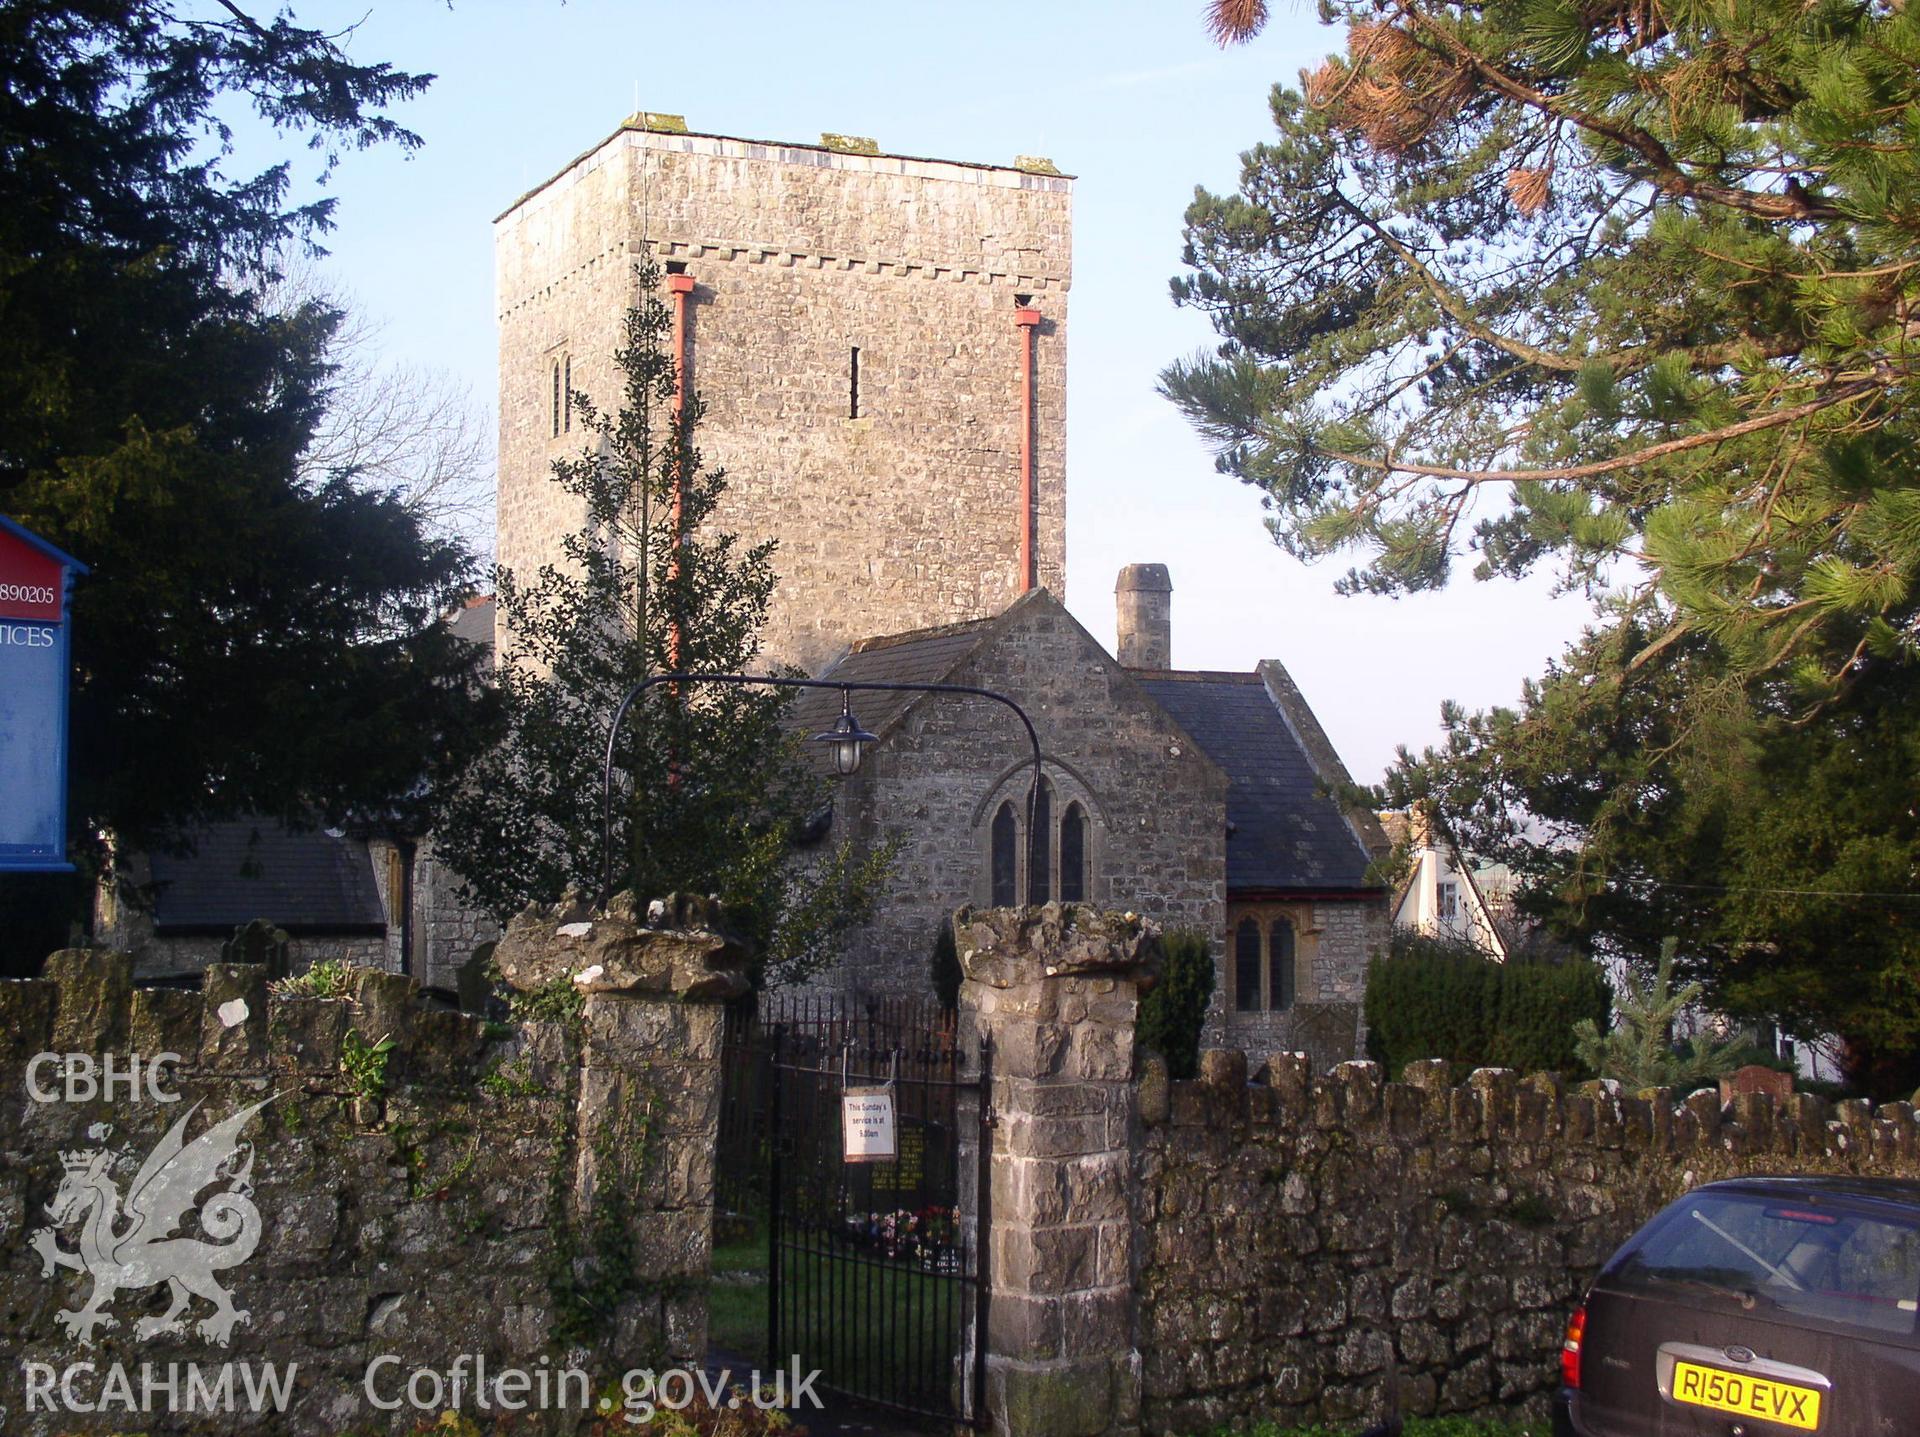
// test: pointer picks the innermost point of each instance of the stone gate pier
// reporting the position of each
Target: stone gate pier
(1055, 992)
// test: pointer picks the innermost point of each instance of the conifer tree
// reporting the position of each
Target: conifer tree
(1640, 1051)
(1174, 1013)
(1671, 797)
(717, 799)
(1629, 287)
(254, 637)
(1626, 291)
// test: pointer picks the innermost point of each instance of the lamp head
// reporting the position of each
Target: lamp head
(847, 740)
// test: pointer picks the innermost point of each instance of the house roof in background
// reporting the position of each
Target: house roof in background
(304, 882)
(1285, 835)
(473, 620)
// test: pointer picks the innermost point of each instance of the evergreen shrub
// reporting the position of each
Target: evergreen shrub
(1171, 1015)
(1433, 997)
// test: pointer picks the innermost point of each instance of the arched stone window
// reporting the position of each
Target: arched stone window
(1039, 860)
(1073, 855)
(1006, 850)
(1280, 980)
(1246, 967)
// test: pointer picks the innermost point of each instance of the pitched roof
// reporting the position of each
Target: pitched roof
(1284, 834)
(923, 656)
(474, 619)
(305, 881)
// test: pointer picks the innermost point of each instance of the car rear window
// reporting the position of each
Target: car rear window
(1814, 1260)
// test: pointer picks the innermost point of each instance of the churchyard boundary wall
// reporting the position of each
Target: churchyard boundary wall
(415, 1190)
(1275, 1244)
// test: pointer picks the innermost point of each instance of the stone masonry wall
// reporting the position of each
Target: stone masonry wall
(903, 517)
(1055, 993)
(535, 1195)
(1335, 939)
(446, 930)
(1295, 1230)
(1158, 846)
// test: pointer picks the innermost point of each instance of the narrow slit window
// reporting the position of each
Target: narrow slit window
(1073, 855)
(853, 382)
(566, 401)
(1246, 967)
(556, 399)
(1005, 851)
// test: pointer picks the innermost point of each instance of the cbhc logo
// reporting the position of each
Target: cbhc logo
(80, 1077)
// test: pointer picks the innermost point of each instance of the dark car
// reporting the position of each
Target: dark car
(1753, 1308)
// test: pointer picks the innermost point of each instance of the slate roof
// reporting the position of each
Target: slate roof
(924, 656)
(306, 882)
(473, 620)
(1284, 835)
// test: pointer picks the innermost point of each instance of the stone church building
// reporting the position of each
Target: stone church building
(881, 345)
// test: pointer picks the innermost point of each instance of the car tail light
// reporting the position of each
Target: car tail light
(1570, 1349)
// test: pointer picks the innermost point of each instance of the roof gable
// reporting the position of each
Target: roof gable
(923, 656)
(1285, 835)
(938, 655)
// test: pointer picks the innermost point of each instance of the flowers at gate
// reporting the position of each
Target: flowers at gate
(922, 1235)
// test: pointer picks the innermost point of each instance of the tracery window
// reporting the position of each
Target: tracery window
(1039, 859)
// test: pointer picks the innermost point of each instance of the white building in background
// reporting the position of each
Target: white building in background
(1445, 893)
(1449, 894)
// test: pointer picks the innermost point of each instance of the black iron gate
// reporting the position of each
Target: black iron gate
(873, 1277)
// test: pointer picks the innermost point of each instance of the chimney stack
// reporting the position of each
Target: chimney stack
(1144, 598)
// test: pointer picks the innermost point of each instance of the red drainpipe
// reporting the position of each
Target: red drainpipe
(1028, 319)
(679, 285)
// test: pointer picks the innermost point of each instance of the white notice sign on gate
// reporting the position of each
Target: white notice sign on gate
(866, 1123)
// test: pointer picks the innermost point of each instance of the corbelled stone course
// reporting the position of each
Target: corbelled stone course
(1297, 1231)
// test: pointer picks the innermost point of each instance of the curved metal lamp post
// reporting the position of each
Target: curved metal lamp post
(846, 738)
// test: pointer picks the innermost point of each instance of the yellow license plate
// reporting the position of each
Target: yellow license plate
(1746, 1396)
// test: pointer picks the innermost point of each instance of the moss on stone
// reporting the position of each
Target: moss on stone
(656, 121)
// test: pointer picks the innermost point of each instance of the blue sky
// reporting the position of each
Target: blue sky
(1133, 98)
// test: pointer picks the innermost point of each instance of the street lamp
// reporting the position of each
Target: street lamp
(847, 739)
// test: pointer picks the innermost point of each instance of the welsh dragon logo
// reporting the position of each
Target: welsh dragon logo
(131, 1245)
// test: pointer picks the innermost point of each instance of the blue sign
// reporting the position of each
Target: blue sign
(34, 660)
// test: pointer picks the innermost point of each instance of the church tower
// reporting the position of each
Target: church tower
(880, 342)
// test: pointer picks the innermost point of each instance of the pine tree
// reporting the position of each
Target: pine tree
(717, 799)
(1627, 292)
(1640, 1051)
(1626, 287)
